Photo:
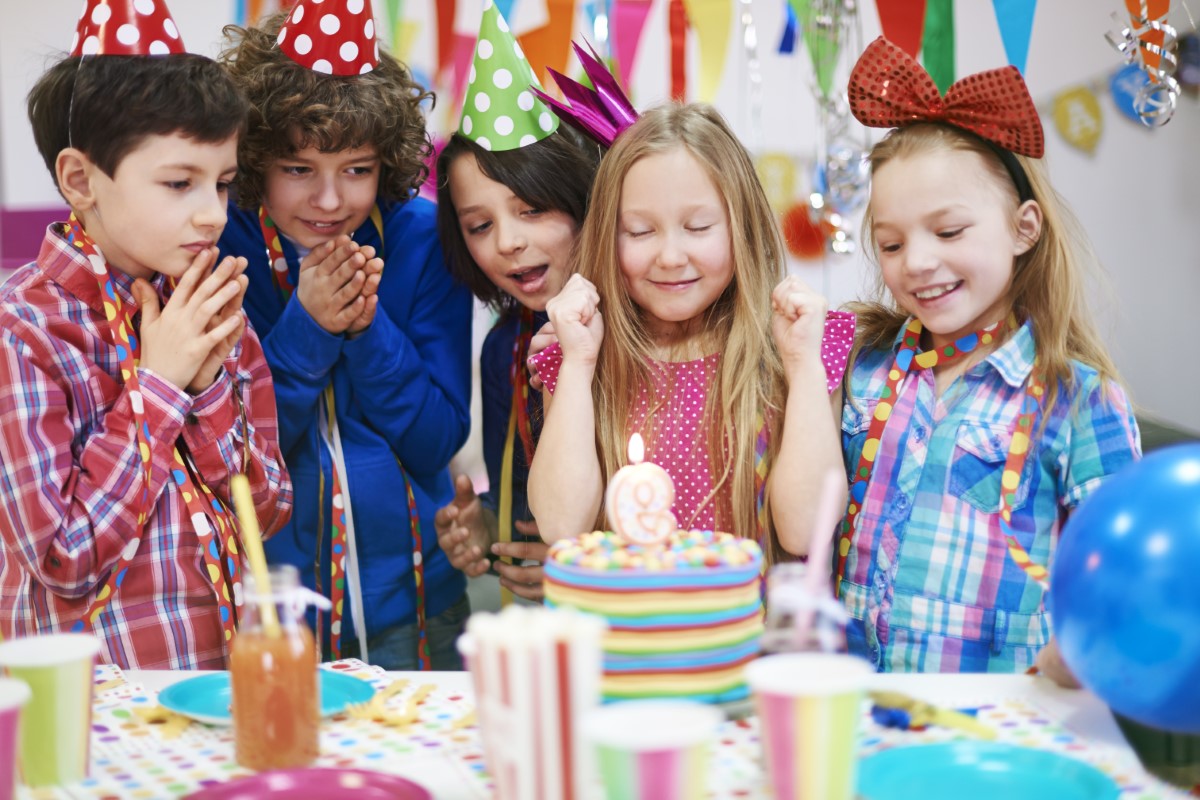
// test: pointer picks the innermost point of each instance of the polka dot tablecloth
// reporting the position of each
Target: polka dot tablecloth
(131, 759)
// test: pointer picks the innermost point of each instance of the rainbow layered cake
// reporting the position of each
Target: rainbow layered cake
(684, 617)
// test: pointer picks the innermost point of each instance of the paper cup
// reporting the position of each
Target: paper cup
(809, 706)
(536, 672)
(56, 723)
(13, 695)
(653, 749)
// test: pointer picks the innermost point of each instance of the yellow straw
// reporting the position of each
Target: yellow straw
(243, 503)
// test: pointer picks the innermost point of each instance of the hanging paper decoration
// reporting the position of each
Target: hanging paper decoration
(1188, 53)
(528, 15)
(549, 47)
(710, 19)
(1077, 117)
(505, 7)
(444, 13)
(678, 23)
(787, 41)
(804, 237)
(777, 174)
(1015, 18)
(938, 43)
(820, 25)
(903, 22)
(1148, 42)
(1126, 85)
(627, 22)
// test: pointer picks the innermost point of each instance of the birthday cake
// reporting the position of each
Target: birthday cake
(684, 615)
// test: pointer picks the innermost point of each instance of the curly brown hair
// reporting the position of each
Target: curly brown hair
(293, 108)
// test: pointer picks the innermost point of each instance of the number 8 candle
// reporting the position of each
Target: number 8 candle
(639, 499)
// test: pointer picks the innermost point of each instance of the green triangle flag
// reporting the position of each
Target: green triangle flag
(499, 112)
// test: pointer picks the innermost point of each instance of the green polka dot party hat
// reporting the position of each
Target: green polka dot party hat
(500, 112)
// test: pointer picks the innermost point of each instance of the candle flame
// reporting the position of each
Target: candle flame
(637, 449)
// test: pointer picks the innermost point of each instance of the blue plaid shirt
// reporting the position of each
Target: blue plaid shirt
(929, 581)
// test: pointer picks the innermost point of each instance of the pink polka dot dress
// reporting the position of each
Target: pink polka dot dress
(676, 438)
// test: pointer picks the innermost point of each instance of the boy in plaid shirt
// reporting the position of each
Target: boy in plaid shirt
(119, 435)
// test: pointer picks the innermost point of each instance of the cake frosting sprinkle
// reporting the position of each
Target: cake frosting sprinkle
(605, 550)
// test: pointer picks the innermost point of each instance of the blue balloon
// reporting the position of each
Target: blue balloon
(1125, 84)
(1125, 591)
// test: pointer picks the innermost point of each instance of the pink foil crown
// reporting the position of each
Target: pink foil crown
(600, 113)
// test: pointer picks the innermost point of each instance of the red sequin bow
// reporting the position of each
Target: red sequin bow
(889, 89)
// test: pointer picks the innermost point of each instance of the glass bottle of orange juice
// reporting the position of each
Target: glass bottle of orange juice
(273, 672)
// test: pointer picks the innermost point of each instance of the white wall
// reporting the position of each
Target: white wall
(1135, 194)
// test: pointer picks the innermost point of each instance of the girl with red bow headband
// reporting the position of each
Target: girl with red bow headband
(981, 407)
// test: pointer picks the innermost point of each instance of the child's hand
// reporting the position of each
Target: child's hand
(331, 281)
(212, 365)
(461, 531)
(574, 313)
(523, 581)
(178, 339)
(373, 269)
(537, 343)
(797, 324)
(1050, 663)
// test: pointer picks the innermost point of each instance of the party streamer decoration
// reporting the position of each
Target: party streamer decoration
(549, 47)
(1148, 41)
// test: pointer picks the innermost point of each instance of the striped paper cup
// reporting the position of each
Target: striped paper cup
(809, 706)
(57, 722)
(13, 695)
(653, 749)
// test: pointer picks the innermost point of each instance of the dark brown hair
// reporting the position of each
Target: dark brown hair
(106, 105)
(294, 107)
(553, 174)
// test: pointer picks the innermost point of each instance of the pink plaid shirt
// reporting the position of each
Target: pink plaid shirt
(71, 475)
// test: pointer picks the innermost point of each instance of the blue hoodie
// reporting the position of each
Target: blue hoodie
(402, 391)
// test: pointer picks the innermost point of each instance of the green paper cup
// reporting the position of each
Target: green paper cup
(653, 749)
(57, 722)
(809, 706)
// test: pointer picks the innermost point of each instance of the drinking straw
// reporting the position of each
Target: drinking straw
(243, 503)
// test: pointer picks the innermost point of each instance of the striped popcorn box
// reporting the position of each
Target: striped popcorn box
(809, 706)
(536, 673)
(57, 722)
(654, 749)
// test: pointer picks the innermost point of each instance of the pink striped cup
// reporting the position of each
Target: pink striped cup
(653, 749)
(809, 707)
(13, 695)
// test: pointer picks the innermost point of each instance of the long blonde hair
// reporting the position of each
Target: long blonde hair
(1049, 280)
(749, 377)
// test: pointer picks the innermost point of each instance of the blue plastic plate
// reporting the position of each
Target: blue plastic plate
(979, 771)
(206, 698)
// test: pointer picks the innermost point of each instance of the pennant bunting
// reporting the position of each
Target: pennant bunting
(711, 19)
(938, 42)
(627, 22)
(903, 22)
(1077, 118)
(549, 47)
(821, 37)
(1015, 18)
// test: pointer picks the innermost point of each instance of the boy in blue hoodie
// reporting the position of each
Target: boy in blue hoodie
(367, 336)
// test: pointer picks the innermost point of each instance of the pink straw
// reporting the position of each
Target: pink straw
(816, 574)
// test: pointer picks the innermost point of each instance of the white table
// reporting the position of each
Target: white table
(1080, 711)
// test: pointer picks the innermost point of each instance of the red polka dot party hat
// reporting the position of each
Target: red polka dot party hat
(126, 28)
(336, 37)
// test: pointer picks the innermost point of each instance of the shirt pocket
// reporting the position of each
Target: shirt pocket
(976, 467)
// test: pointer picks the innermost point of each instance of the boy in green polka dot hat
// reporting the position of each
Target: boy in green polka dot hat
(513, 189)
(500, 112)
